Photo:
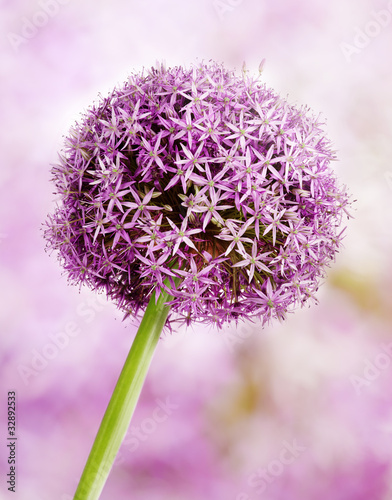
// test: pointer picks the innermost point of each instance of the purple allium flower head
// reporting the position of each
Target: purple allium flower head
(205, 175)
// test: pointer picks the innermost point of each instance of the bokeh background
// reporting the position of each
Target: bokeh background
(296, 411)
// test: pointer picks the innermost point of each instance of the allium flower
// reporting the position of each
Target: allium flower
(204, 175)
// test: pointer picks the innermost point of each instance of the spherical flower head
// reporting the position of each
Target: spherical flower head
(204, 175)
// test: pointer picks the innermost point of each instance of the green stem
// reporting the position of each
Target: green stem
(121, 406)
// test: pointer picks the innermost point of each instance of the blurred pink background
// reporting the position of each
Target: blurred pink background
(297, 411)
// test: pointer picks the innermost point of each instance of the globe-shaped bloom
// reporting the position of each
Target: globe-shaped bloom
(204, 175)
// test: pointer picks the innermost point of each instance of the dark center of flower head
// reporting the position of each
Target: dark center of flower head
(170, 172)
